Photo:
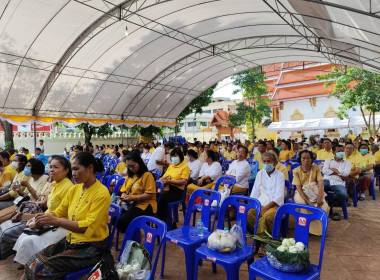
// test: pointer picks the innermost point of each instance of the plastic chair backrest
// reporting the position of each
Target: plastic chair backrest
(294, 165)
(156, 173)
(117, 186)
(152, 228)
(115, 177)
(207, 196)
(242, 205)
(302, 223)
(114, 212)
(254, 166)
(227, 180)
(289, 188)
(159, 190)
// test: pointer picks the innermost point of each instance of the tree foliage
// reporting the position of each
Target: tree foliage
(356, 89)
(256, 104)
(90, 130)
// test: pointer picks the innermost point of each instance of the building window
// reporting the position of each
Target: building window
(203, 123)
(191, 124)
(181, 124)
(206, 112)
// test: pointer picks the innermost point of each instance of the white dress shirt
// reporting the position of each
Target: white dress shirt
(241, 171)
(214, 170)
(273, 185)
(343, 166)
(158, 154)
(195, 167)
(145, 156)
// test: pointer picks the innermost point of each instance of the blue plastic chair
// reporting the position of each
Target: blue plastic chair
(159, 191)
(114, 213)
(228, 180)
(289, 198)
(106, 175)
(187, 236)
(153, 229)
(261, 268)
(172, 210)
(156, 174)
(232, 261)
(115, 177)
(371, 189)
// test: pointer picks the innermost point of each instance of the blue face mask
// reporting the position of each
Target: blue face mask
(27, 171)
(339, 155)
(363, 151)
(268, 167)
(175, 160)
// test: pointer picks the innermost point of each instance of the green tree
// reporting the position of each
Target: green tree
(256, 104)
(355, 89)
(8, 134)
(90, 130)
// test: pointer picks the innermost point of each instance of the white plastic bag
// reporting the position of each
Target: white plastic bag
(223, 194)
(237, 232)
(222, 241)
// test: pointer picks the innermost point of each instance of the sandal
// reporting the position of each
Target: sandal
(335, 217)
(262, 253)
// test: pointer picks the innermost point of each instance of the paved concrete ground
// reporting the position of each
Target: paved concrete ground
(352, 251)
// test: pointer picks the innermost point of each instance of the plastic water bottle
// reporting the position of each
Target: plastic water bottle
(200, 228)
(113, 198)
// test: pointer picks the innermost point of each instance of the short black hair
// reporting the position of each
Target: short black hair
(135, 156)
(37, 166)
(312, 155)
(336, 146)
(65, 163)
(38, 149)
(78, 147)
(192, 153)
(211, 154)
(125, 152)
(276, 151)
(22, 159)
(287, 143)
(169, 145)
(328, 139)
(177, 151)
(146, 147)
(86, 159)
(4, 155)
(262, 143)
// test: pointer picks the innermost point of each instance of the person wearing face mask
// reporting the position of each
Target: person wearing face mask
(4, 158)
(146, 154)
(175, 177)
(138, 193)
(122, 165)
(12, 225)
(367, 162)
(334, 169)
(269, 190)
(14, 191)
(310, 190)
(229, 154)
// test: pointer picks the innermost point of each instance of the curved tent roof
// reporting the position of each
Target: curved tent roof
(70, 60)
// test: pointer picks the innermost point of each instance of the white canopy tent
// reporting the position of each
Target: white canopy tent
(70, 61)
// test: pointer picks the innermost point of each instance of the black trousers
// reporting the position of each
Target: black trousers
(128, 216)
(174, 194)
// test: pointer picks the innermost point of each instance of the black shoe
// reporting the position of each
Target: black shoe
(335, 217)
(348, 204)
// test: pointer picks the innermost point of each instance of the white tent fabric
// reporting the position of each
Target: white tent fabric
(310, 124)
(71, 58)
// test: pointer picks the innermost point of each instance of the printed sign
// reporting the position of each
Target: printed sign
(302, 221)
(149, 237)
(211, 259)
(173, 241)
(241, 209)
(207, 202)
(96, 275)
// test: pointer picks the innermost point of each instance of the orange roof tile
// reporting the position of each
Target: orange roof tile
(300, 75)
(305, 90)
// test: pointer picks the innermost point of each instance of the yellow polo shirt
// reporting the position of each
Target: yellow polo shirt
(145, 184)
(355, 162)
(6, 179)
(377, 157)
(151, 150)
(90, 209)
(351, 136)
(257, 157)
(229, 155)
(366, 160)
(178, 172)
(10, 169)
(282, 168)
(120, 167)
(285, 155)
(57, 194)
(28, 156)
(323, 154)
(356, 153)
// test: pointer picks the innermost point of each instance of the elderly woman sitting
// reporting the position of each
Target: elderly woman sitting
(269, 190)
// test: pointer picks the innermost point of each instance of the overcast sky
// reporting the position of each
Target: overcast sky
(225, 89)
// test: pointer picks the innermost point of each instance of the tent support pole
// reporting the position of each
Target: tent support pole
(35, 135)
(122, 134)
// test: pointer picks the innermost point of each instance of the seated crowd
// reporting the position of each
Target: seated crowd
(62, 194)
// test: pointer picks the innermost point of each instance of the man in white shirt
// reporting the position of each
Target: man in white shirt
(269, 190)
(157, 159)
(334, 169)
(41, 146)
(240, 170)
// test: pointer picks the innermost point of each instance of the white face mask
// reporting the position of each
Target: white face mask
(14, 165)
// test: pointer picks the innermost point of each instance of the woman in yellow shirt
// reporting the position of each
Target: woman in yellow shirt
(84, 213)
(28, 245)
(367, 161)
(286, 153)
(138, 193)
(175, 178)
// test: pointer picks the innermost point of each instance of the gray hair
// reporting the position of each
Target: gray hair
(268, 154)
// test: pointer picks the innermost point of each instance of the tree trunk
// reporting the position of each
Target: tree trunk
(253, 130)
(365, 121)
(8, 134)
(373, 134)
(87, 134)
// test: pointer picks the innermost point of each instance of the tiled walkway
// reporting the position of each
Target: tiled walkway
(352, 251)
